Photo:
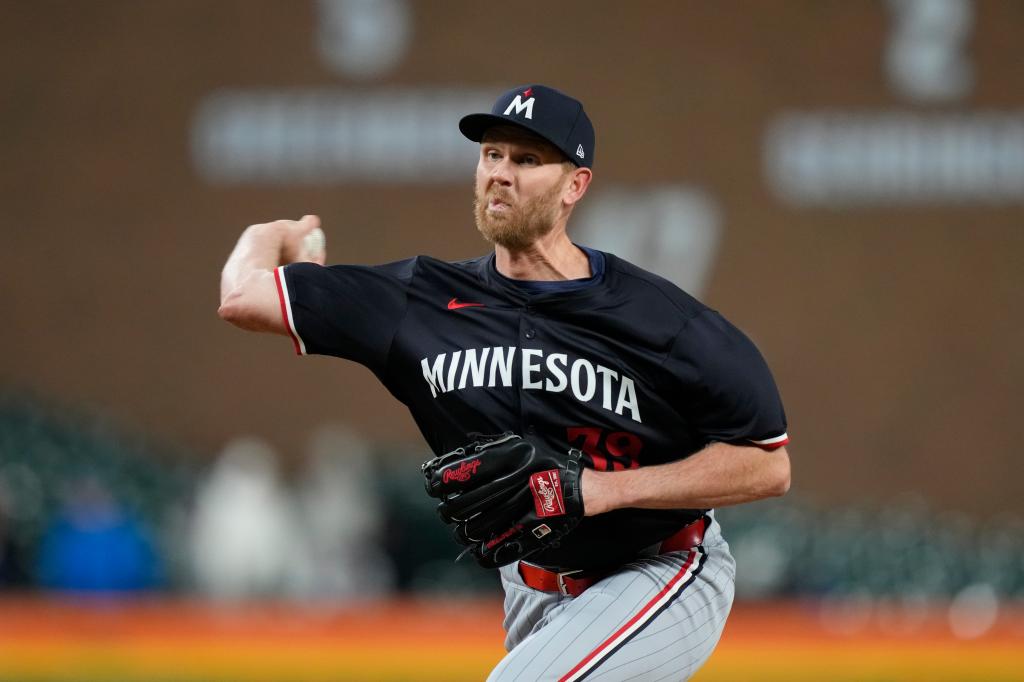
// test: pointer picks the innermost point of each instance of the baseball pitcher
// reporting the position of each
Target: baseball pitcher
(585, 416)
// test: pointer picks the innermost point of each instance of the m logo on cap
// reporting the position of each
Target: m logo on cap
(519, 105)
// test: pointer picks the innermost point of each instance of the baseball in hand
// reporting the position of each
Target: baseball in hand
(313, 244)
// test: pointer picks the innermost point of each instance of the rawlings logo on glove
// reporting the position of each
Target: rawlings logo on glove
(547, 494)
(506, 499)
(462, 473)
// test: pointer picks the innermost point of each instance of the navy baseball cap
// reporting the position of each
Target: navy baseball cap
(544, 111)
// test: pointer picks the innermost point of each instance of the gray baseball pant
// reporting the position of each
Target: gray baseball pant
(658, 618)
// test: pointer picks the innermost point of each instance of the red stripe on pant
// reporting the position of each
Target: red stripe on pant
(603, 648)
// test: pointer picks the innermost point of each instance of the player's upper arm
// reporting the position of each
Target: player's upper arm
(346, 311)
(783, 469)
(725, 385)
(255, 304)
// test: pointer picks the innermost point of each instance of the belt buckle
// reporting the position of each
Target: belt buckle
(560, 579)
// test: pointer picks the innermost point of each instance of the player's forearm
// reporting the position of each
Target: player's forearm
(257, 250)
(249, 296)
(718, 476)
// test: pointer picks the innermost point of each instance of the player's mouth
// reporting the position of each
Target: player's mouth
(498, 205)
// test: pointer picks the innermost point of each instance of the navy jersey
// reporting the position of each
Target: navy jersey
(628, 368)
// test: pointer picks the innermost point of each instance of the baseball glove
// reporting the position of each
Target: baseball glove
(506, 499)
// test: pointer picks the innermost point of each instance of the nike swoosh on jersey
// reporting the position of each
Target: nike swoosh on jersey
(454, 304)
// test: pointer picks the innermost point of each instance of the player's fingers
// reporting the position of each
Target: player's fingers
(312, 244)
(309, 222)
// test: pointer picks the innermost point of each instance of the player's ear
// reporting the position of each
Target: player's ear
(578, 184)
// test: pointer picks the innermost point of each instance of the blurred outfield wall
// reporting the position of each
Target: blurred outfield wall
(458, 641)
(843, 180)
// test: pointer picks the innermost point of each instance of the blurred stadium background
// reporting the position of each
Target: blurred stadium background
(178, 501)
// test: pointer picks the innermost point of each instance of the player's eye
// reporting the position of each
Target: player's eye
(530, 160)
(493, 155)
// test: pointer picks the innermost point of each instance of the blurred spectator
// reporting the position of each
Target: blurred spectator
(12, 570)
(342, 519)
(94, 545)
(244, 537)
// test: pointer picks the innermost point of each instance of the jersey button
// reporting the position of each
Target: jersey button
(530, 333)
(529, 310)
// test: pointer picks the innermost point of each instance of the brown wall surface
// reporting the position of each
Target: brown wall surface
(893, 328)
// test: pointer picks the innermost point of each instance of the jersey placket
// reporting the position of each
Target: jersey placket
(528, 329)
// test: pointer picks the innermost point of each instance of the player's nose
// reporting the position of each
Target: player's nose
(501, 172)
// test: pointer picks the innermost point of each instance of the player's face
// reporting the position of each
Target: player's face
(520, 181)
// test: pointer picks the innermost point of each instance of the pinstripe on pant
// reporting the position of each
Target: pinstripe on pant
(658, 618)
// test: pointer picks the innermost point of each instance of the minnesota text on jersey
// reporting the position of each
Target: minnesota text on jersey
(552, 373)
